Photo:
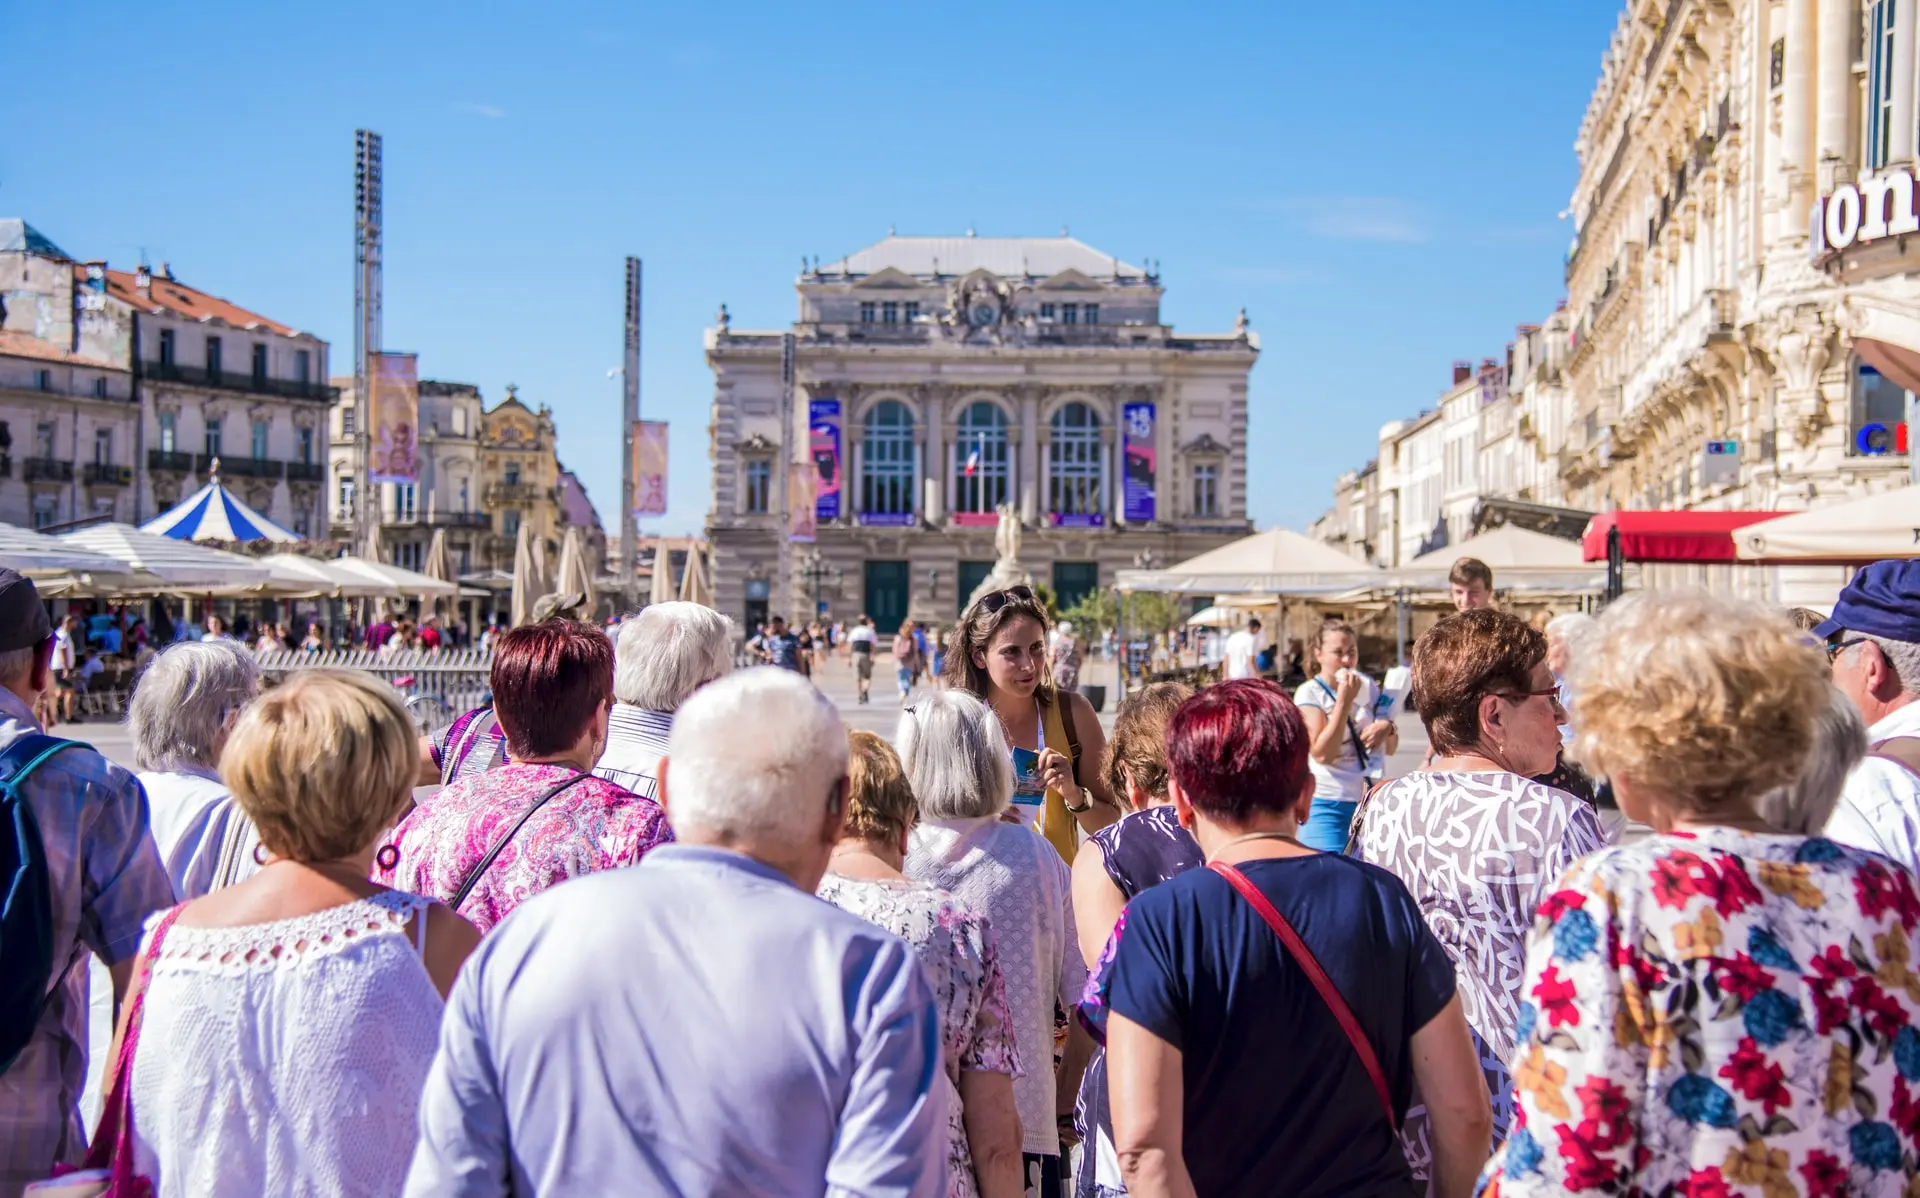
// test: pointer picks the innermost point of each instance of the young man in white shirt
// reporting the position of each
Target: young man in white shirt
(861, 641)
(1243, 648)
(66, 665)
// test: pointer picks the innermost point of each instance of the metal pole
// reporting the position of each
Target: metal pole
(1616, 565)
(1401, 616)
(783, 598)
(630, 414)
(366, 325)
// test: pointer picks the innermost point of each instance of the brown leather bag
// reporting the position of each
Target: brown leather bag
(1903, 751)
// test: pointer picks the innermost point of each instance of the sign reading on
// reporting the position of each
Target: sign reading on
(1879, 206)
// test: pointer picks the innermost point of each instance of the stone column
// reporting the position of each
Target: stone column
(1838, 95)
(948, 470)
(1109, 477)
(1901, 116)
(933, 462)
(1027, 442)
(1797, 120)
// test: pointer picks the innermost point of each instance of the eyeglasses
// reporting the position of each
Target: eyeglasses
(1838, 646)
(1552, 692)
(993, 601)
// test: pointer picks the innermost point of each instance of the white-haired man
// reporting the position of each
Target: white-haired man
(1873, 641)
(698, 1024)
(662, 656)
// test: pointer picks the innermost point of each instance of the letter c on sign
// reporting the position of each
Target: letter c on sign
(1873, 439)
(1843, 216)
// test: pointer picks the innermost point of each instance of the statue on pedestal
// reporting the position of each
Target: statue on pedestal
(1007, 570)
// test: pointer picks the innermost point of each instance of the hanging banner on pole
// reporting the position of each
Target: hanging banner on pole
(800, 479)
(649, 468)
(823, 443)
(1138, 489)
(394, 415)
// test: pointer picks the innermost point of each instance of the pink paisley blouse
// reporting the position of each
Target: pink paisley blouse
(592, 825)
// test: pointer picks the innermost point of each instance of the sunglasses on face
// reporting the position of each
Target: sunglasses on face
(995, 600)
(1840, 644)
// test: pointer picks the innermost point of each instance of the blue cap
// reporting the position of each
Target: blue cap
(1882, 600)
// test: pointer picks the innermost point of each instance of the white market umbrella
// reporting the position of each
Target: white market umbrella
(165, 561)
(439, 563)
(1873, 527)
(31, 552)
(693, 587)
(527, 586)
(1278, 561)
(398, 580)
(1520, 559)
(295, 577)
(1219, 616)
(663, 588)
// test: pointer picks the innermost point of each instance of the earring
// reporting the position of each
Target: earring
(387, 857)
(259, 854)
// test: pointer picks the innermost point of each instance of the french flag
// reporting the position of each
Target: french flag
(973, 461)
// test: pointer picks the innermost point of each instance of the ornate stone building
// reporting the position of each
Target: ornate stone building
(446, 496)
(519, 479)
(965, 373)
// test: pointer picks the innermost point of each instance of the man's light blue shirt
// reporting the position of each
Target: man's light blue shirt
(693, 1025)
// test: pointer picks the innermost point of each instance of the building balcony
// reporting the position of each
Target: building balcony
(238, 467)
(461, 520)
(48, 470)
(169, 461)
(6, 465)
(105, 474)
(513, 493)
(306, 472)
(226, 380)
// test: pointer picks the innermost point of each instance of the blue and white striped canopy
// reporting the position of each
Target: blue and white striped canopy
(213, 514)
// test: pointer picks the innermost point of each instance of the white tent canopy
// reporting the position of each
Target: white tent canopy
(1860, 530)
(1520, 559)
(292, 576)
(1275, 562)
(395, 579)
(32, 552)
(163, 562)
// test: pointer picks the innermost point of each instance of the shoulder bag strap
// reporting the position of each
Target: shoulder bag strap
(1329, 994)
(1903, 751)
(112, 1146)
(1060, 697)
(1361, 760)
(460, 741)
(480, 867)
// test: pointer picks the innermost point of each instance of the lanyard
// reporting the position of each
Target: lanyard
(1353, 730)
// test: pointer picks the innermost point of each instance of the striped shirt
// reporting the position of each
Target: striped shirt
(636, 741)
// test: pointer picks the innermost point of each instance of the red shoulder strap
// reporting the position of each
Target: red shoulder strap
(1329, 993)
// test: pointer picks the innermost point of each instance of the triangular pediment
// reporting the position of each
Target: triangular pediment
(1070, 280)
(890, 276)
(1204, 443)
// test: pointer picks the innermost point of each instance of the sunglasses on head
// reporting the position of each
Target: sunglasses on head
(993, 601)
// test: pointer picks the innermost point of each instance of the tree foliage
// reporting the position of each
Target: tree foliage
(1146, 612)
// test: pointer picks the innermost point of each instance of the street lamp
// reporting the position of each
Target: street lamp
(816, 570)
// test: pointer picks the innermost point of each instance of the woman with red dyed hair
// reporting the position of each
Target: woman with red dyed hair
(1267, 1018)
(492, 840)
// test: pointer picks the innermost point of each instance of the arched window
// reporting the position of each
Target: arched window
(1073, 462)
(980, 476)
(886, 461)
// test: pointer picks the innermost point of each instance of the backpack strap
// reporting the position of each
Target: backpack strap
(26, 754)
(1903, 751)
(1329, 993)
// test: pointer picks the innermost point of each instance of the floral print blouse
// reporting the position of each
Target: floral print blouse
(1719, 1013)
(591, 825)
(956, 947)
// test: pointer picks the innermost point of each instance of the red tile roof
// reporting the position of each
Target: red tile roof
(173, 296)
(26, 345)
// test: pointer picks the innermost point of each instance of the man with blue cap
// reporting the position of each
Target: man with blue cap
(1873, 641)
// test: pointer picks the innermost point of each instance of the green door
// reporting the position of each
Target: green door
(887, 595)
(972, 574)
(1073, 581)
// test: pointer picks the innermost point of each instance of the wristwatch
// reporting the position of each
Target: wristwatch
(1083, 808)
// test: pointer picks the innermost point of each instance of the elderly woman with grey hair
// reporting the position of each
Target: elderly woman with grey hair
(1803, 806)
(661, 657)
(961, 770)
(183, 707)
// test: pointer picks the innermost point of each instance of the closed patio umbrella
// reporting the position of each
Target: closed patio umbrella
(439, 564)
(573, 577)
(663, 588)
(693, 586)
(527, 586)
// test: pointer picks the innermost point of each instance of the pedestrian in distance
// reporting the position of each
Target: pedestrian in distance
(286, 1023)
(488, 841)
(1723, 1004)
(182, 712)
(76, 832)
(781, 648)
(1242, 652)
(957, 948)
(860, 644)
(1350, 745)
(961, 771)
(1223, 979)
(663, 655)
(700, 1024)
(998, 654)
(1470, 584)
(1478, 842)
(906, 659)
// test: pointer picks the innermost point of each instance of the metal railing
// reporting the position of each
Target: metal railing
(437, 686)
(167, 459)
(45, 470)
(238, 467)
(513, 493)
(106, 474)
(306, 472)
(227, 380)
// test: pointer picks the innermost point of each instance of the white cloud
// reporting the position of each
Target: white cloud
(481, 110)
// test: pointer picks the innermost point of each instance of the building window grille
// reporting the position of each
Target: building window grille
(912, 311)
(886, 460)
(889, 313)
(213, 438)
(303, 365)
(213, 359)
(1073, 461)
(1206, 490)
(759, 486)
(103, 447)
(169, 432)
(260, 440)
(1092, 313)
(1069, 313)
(166, 347)
(43, 379)
(866, 311)
(1880, 61)
(1046, 311)
(259, 363)
(981, 466)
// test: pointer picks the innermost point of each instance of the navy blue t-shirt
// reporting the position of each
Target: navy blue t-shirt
(1277, 1101)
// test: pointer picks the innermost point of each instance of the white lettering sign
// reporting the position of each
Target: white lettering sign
(1880, 206)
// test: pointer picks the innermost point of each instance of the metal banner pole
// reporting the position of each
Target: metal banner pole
(366, 326)
(630, 414)
(783, 601)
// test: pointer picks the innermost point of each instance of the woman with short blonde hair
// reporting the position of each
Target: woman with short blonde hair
(1720, 1005)
(288, 1020)
(957, 949)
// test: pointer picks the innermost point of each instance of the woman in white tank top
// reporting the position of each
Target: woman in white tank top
(289, 1020)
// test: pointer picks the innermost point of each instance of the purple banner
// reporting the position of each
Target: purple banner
(1137, 490)
(1078, 519)
(889, 519)
(823, 446)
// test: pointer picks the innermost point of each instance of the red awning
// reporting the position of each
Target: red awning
(1669, 536)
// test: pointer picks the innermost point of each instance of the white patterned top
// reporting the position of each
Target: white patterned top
(286, 1057)
(1480, 851)
(1009, 873)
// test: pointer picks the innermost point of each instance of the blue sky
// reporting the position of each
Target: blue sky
(1377, 185)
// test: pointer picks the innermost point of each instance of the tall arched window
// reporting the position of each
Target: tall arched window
(886, 461)
(980, 475)
(1073, 462)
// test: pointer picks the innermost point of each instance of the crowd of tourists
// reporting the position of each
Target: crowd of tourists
(652, 923)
